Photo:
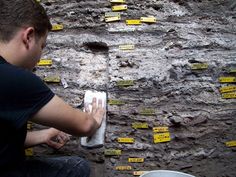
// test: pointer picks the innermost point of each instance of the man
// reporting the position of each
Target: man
(24, 26)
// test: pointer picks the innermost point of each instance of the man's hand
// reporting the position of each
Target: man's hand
(96, 111)
(52, 137)
(56, 139)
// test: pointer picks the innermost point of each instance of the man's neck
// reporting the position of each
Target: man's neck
(9, 52)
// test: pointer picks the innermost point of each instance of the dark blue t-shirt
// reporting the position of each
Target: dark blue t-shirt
(22, 94)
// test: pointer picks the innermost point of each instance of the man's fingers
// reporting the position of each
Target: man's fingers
(99, 103)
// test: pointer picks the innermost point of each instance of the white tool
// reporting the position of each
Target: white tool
(97, 140)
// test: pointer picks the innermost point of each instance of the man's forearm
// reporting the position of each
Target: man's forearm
(35, 138)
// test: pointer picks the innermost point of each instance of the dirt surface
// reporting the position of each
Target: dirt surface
(86, 54)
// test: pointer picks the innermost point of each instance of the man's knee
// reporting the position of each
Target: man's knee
(79, 166)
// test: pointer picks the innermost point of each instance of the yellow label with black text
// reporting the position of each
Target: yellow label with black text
(29, 152)
(112, 19)
(227, 79)
(160, 129)
(162, 137)
(57, 27)
(148, 112)
(52, 79)
(198, 66)
(112, 152)
(148, 19)
(139, 125)
(230, 143)
(123, 168)
(45, 62)
(136, 160)
(229, 95)
(227, 89)
(125, 83)
(139, 173)
(117, 1)
(115, 102)
(112, 14)
(126, 47)
(119, 7)
(125, 140)
(133, 22)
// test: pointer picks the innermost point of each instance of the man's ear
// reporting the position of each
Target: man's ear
(28, 36)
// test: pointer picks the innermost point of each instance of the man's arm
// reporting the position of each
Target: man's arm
(52, 137)
(56, 113)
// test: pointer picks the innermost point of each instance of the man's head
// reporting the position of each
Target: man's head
(25, 23)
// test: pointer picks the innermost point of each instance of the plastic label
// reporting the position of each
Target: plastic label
(117, 1)
(123, 168)
(230, 143)
(52, 79)
(162, 137)
(148, 112)
(139, 125)
(229, 95)
(45, 62)
(29, 152)
(227, 89)
(198, 66)
(160, 129)
(116, 102)
(148, 19)
(119, 7)
(227, 79)
(112, 19)
(112, 14)
(232, 70)
(125, 83)
(126, 47)
(57, 27)
(133, 22)
(138, 173)
(125, 140)
(111, 152)
(136, 160)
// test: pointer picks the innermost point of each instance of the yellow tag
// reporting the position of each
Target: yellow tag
(227, 89)
(138, 173)
(119, 7)
(160, 129)
(45, 62)
(29, 152)
(110, 152)
(57, 27)
(232, 70)
(148, 112)
(37, 0)
(227, 79)
(52, 79)
(126, 47)
(230, 143)
(123, 168)
(148, 19)
(161, 137)
(112, 19)
(136, 160)
(125, 140)
(117, 1)
(112, 14)
(116, 102)
(133, 22)
(197, 66)
(29, 125)
(125, 83)
(139, 125)
(229, 95)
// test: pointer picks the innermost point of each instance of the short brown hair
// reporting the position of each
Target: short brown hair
(15, 14)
